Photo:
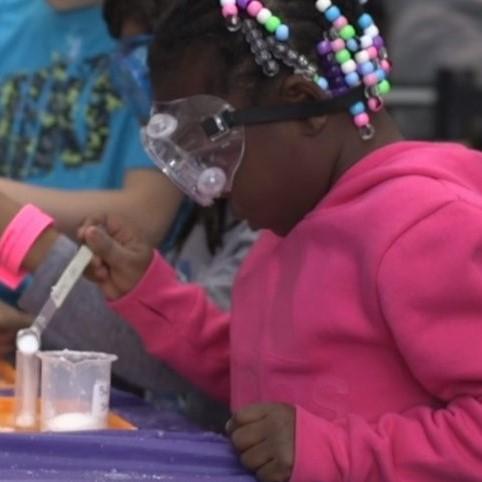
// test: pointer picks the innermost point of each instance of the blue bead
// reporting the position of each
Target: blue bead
(380, 73)
(332, 13)
(353, 79)
(365, 21)
(353, 45)
(322, 83)
(282, 33)
(358, 108)
(367, 68)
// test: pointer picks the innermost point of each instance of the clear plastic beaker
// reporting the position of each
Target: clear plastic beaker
(75, 390)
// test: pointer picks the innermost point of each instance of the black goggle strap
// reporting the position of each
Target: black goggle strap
(216, 126)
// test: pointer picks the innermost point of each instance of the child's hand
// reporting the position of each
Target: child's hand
(121, 257)
(264, 435)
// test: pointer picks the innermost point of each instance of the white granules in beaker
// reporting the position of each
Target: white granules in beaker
(73, 422)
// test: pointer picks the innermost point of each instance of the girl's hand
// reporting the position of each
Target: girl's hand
(264, 435)
(121, 257)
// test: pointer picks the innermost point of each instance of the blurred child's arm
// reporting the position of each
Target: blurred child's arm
(177, 322)
(147, 199)
(8, 210)
(430, 292)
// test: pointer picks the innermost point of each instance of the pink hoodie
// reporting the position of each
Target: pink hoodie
(367, 317)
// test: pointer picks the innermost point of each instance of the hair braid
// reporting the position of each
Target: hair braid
(197, 21)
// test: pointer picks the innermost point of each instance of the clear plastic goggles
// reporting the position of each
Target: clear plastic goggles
(190, 142)
(199, 142)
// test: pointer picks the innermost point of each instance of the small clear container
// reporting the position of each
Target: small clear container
(75, 390)
(26, 389)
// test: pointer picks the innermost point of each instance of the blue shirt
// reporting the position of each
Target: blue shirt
(62, 124)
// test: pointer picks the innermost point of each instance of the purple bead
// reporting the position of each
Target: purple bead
(378, 42)
(324, 47)
(243, 3)
(328, 61)
(334, 71)
(330, 58)
(326, 66)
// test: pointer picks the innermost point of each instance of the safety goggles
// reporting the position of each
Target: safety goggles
(199, 141)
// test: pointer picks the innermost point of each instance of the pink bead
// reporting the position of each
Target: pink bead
(370, 80)
(361, 120)
(254, 8)
(372, 52)
(386, 66)
(338, 44)
(230, 11)
(340, 22)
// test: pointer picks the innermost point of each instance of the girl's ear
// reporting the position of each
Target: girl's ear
(296, 89)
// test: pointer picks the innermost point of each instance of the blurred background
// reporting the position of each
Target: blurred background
(436, 48)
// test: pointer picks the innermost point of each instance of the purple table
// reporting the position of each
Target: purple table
(166, 447)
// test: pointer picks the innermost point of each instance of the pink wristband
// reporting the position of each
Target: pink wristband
(17, 240)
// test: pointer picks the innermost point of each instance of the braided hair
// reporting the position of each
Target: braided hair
(199, 22)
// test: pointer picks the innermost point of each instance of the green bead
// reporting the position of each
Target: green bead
(343, 56)
(384, 87)
(347, 32)
(272, 24)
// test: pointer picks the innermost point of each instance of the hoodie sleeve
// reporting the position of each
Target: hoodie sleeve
(181, 326)
(430, 293)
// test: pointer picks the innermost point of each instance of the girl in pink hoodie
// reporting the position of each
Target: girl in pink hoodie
(353, 348)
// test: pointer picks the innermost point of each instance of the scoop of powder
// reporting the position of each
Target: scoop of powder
(28, 343)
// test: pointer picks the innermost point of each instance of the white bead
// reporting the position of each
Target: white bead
(348, 67)
(322, 5)
(263, 16)
(372, 31)
(362, 57)
(366, 41)
(228, 2)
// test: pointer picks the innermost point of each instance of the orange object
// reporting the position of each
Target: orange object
(7, 375)
(7, 424)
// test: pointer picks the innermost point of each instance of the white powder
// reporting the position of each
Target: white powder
(28, 343)
(73, 422)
